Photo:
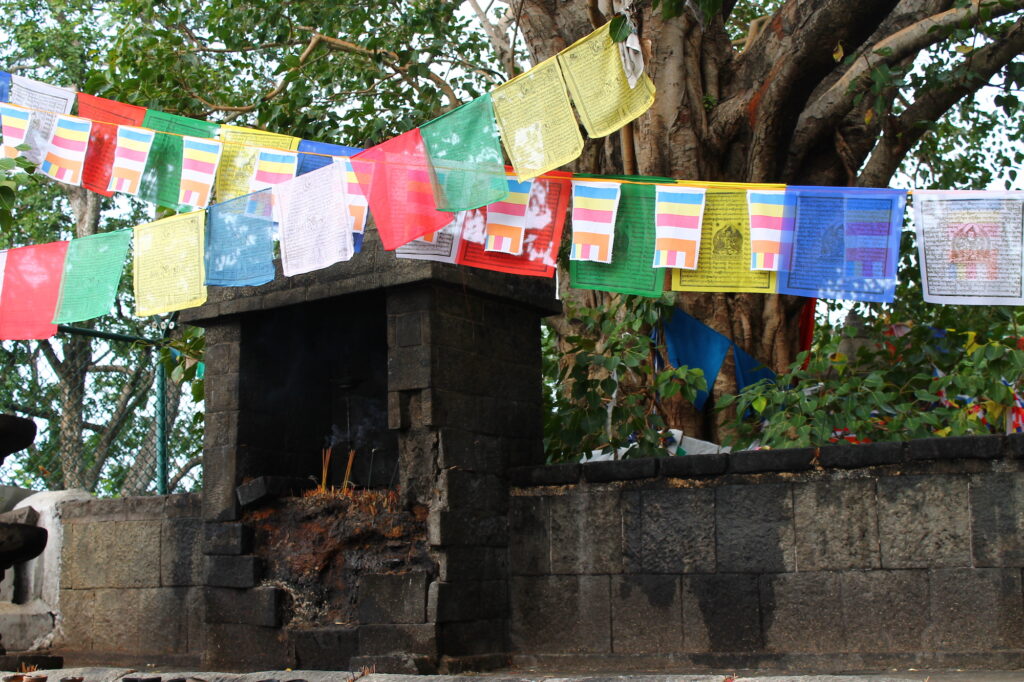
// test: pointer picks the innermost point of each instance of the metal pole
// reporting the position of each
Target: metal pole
(161, 429)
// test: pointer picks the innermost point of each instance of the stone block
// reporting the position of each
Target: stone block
(688, 466)
(409, 329)
(721, 613)
(115, 554)
(997, 519)
(470, 490)
(142, 508)
(392, 598)
(398, 665)
(240, 572)
(266, 488)
(885, 611)
(115, 618)
(621, 470)
(325, 648)
(375, 640)
(529, 548)
(24, 515)
(632, 531)
(222, 392)
(549, 474)
(470, 451)
(410, 368)
(473, 563)
(223, 357)
(802, 613)
(259, 606)
(955, 447)
(847, 456)
(92, 511)
(183, 506)
(162, 620)
(924, 522)
(677, 531)
(836, 525)
(586, 533)
(447, 528)
(473, 638)
(77, 609)
(757, 461)
(221, 429)
(247, 648)
(974, 610)
(560, 614)
(647, 614)
(227, 538)
(754, 528)
(181, 556)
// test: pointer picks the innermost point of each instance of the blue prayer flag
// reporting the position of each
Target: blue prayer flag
(5, 86)
(240, 241)
(313, 160)
(692, 343)
(749, 370)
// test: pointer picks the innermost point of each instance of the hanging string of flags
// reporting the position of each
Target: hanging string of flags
(442, 192)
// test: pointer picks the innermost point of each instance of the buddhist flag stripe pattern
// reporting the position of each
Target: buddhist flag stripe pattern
(273, 167)
(199, 159)
(130, 156)
(65, 154)
(771, 217)
(594, 206)
(678, 213)
(506, 220)
(14, 121)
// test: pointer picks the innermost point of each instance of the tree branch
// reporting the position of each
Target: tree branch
(181, 473)
(904, 131)
(499, 40)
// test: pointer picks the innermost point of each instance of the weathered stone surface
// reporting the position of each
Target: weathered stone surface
(885, 611)
(78, 612)
(647, 616)
(469, 600)
(473, 638)
(393, 597)
(554, 614)
(161, 621)
(586, 533)
(116, 620)
(677, 530)
(955, 447)
(232, 571)
(975, 610)
(473, 563)
(551, 474)
(247, 648)
(403, 638)
(130, 551)
(802, 612)
(259, 606)
(227, 538)
(447, 528)
(754, 461)
(529, 548)
(755, 528)
(325, 648)
(266, 488)
(997, 519)
(721, 613)
(846, 456)
(181, 553)
(924, 522)
(686, 466)
(836, 525)
(621, 470)
(473, 490)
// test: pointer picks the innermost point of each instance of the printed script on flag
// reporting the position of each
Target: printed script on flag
(593, 71)
(92, 272)
(130, 156)
(535, 118)
(238, 161)
(678, 212)
(46, 102)
(316, 229)
(168, 267)
(65, 152)
(594, 204)
(969, 246)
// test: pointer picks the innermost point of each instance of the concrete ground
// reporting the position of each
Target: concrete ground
(130, 675)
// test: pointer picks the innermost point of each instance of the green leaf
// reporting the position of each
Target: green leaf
(760, 402)
(620, 29)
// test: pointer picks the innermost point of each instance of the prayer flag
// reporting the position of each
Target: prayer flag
(969, 246)
(594, 204)
(846, 243)
(273, 167)
(545, 218)
(5, 89)
(749, 370)
(65, 153)
(395, 177)
(315, 228)
(31, 285)
(313, 155)
(92, 272)
(771, 227)
(199, 161)
(506, 220)
(358, 206)
(630, 270)
(535, 118)
(161, 182)
(15, 121)
(465, 153)
(130, 155)
(441, 246)
(46, 102)
(106, 115)
(691, 343)
(240, 241)
(238, 160)
(169, 264)
(678, 212)
(592, 67)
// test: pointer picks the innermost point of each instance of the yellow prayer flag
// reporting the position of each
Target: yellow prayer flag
(723, 263)
(536, 121)
(593, 71)
(169, 272)
(238, 161)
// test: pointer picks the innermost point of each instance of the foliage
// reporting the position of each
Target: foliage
(606, 392)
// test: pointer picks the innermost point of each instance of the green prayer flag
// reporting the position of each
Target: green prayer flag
(92, 271)
(161, 180)
(465, 152)
(630, 271)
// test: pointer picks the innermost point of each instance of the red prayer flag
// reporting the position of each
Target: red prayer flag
(30, 291)
(549, 201)
(106, 115)
(397, 180)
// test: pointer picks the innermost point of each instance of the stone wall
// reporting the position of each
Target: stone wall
(847, 557)
(129, 584)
